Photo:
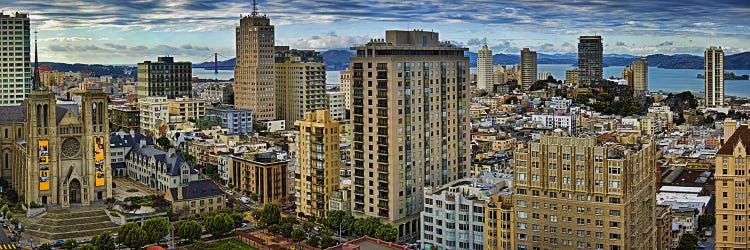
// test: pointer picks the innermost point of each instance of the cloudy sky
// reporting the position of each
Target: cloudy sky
(129, 31)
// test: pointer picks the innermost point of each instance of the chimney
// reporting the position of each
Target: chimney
(142, 143)
(179, 192)
(170, 152)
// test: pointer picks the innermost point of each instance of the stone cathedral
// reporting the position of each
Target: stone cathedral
(56, 153)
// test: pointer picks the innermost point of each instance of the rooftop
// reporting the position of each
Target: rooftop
(197, 190)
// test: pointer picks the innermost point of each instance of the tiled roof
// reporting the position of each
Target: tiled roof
(741, 134)
(197, 190)
(12, 114)
(174, 163)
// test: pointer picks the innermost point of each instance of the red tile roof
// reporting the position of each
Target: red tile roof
(742, 133)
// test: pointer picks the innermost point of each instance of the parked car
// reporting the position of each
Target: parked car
(58, 243)
(5, 225)
(229, 192)
(244, 199)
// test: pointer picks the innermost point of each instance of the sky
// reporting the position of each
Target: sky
(131, 31)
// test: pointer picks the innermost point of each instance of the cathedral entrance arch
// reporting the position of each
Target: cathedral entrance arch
(75, 191)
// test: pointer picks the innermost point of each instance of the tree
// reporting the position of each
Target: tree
(87, 247)
(298, 235)
(688, 242)
(45, 246)
(70, 244)
(338, 220)
(103, 241)
(189, 230)
(707, 220)
(387, 232)
(219, 224)
(132, 235)
(237, 218)
(327, 241)
(156, 228)
(367, 226)
(164, 142)
(270, 215)
(313, 240)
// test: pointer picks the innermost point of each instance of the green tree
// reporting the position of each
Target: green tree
(87, 247)
(269, 215)
(132, 235)
(313, 240)
(387, 232)
(367, 226)
(156, 228)
(327, 241)
(338, 220)
(298, 235)
(164, 142)
(688, 241)
(45, 246)
(219, 224)
(70, 244)
(707, 220)
(189, 230)
(103, 241)
(237, 217)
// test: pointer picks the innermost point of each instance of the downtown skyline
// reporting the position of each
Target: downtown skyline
(107, 32)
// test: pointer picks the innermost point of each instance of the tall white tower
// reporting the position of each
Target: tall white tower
(484, 68)
(714, 76)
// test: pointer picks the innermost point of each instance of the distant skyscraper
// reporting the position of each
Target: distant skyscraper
(254, 73)
(571, 76)
(640, 76)
(484, 68)
(346, 86)
(410, 124)
(713, 67)
(16, 58)
(165, 78)
(528, 68)
(300, 83)
(627, 75)
(590, 60)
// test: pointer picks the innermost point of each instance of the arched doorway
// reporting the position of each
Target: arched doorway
(75, 191)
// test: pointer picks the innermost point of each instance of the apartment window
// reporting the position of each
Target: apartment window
(552, 218)
(599, 223)
(521, 203)
(521, 176)
(614, 200)
(614, 212)
(614, 224)
(521, 214)
(614, 184)
(521, 225)
(614, 236)
(614, 170)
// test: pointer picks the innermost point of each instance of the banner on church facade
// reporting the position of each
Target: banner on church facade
(99, 160)
(43, 165)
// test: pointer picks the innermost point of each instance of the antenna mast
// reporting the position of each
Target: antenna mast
(35, 83)
(255, 8)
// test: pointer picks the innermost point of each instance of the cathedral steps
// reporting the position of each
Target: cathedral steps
(67, 224)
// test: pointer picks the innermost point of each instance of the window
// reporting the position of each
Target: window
(614, 212)
(614, 170)
(599, 211)
(553, 218)
(614, 200)
(521, 225)
(614, 184)
(614, 224)
(599, 223)
(614, 236)
(521, 176)
(521, 203)
(521, 214)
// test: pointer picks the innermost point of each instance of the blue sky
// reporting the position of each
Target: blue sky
(130, 31)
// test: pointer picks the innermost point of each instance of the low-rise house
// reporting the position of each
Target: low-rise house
(196, 198)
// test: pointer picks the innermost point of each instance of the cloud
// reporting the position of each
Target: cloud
(621, 44)
(115, 46)
(667, 43)
(329, 40)
(505, 47)
(65, 39)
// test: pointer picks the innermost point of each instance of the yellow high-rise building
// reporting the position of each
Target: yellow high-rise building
(499, 225)
(317, 137)
(580, 192)
(732, 211)
(300, 83)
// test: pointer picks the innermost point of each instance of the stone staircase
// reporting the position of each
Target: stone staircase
(67, 224)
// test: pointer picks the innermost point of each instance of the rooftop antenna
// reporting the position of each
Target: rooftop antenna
(255, 8)
(35, 84)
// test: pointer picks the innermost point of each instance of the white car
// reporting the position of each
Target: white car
(229, 192)
(244, 199)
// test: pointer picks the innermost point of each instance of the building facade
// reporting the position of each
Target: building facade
(335, 101)
(640, 76)
(499, 224)
(165, 78)
(571, 77)
(300, 83)
(590, 60)
(410, 124)
(576, 192)
(254, 73)
(713, 77)
(57, 154)
(345, 84)
(732, 212)
(16, 57)
(196, 198)
(484, 68)
(153, 115)
(317, 137)
(528, 68)
(159, 170)
(187, 109)
(260, 174)
(126, 117)
(236, 121)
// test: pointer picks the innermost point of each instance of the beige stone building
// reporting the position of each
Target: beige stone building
(732, 212)
(578, 192)
(640, 76)
(187, 109)
(346, 86)
(571, 76)
(196, 198)
(57, 154)
(484, 68)
(664, 227)
(52, 78)
(300, 83)
(410, 101)
(499, 223)
(254, 73)
(318, 158)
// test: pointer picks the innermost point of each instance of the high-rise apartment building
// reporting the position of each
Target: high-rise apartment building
(345, 85)
(165, 77)
(154, 114)
(254, 80)
(579, 192)
(317, 137)
(627, 75)
(410, 124)
(263, 174)
(590, 60)
(571, 77)
(528, 68)
(713, 76)
(732, 210)
(16, 58)
(300, 83)
(640, 76)
(484, 68)
(499, 223)
(335, 104)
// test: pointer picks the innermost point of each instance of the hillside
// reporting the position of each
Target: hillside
(98, 69)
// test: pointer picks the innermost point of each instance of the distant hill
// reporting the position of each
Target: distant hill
(337, 59)
(226, 64)
(98, 69)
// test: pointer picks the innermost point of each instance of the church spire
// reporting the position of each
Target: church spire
(35, 84)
